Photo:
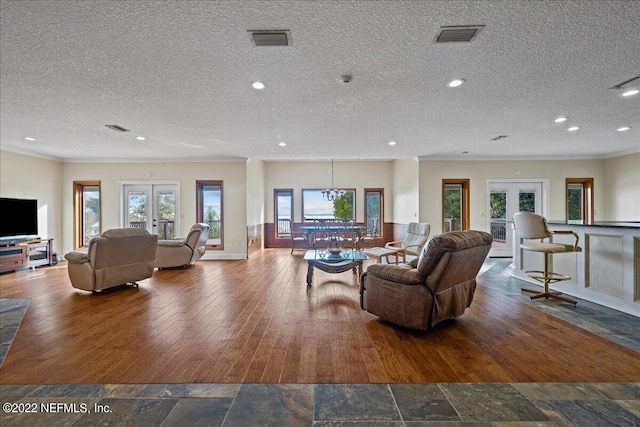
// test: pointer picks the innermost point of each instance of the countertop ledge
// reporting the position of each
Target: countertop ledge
(610, 224)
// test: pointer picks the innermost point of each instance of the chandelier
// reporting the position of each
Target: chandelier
(331, 194)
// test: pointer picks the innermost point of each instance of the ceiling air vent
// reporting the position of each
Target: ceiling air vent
(633, 82)
(117, 128)
(270, 37)
(460, 33)
(499, 137)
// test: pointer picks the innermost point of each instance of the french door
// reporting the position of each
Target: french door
(153, 207)
(505, 198)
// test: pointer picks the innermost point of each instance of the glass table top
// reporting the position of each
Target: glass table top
(335, 255)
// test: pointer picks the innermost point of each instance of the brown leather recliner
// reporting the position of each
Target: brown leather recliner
(119, 256)
(438, 285)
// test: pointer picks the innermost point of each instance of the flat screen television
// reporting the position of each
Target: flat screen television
(19, 218)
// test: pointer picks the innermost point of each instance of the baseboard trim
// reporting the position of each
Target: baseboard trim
(212, 256)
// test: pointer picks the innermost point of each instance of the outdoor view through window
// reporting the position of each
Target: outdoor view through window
(314, 206)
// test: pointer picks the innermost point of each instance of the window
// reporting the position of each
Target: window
(374, 208)
(283, 211)
(314, 206)
(580, 199)
(527, 200)
(455, 204)
(86, 212)
(209, 210)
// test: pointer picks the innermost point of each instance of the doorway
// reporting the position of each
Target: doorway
(152, 206)
(504, 198)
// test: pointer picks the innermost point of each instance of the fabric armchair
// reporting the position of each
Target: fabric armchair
(417, 235)
(183, 252)
(438, 285)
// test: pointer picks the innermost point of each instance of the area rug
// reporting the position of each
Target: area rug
(12, 312)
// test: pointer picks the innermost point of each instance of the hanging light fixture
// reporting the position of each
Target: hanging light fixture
(331, 194)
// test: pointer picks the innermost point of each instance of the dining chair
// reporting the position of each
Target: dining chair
(299, 240)
(347, 236)
(368, 239)
(321, 234)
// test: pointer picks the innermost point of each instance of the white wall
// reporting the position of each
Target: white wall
(26, 177)
(556, 171)
(316, 175)
(255, 192)
(233, 175)
(622, 181)
(406, 207)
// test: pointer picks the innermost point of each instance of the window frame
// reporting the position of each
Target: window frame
(78, 211)
(464, 201)
(302, 191)
(276, 193)
(587, 198)
(366, 218)
(200, 184)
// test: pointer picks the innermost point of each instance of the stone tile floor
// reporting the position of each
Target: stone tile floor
(446, 404)
(355, 405)
(11, 313)
(614, 325)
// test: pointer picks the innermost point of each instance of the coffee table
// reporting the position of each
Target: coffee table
(340, 262)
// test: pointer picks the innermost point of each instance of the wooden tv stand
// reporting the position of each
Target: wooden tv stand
(28, 253)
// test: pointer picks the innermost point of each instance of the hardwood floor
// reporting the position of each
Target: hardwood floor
(255, 321)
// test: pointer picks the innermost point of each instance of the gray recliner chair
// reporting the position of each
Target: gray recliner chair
(183, 252)
(120, 256)
(438, 285)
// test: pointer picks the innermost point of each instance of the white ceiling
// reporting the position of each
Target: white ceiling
(180, 73)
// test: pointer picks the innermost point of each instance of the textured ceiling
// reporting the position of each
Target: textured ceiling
(180, 73)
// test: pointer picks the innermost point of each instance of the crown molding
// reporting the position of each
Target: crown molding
(30, 153)
(622, 153)
(507, 159)
(185, 160)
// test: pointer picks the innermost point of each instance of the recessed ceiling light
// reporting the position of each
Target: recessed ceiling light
(561, 119)
(392, 143)
(140, 138)
(455, 83)
(28, 138)
(623, 129)
(572, 128)
(631, 92)
(282, 144)
(258, 85)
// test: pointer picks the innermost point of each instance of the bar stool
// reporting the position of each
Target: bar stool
(532, 226)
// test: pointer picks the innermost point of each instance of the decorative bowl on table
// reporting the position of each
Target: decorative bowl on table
(334, 252)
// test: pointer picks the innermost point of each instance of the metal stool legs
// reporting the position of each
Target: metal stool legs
(547, 277)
